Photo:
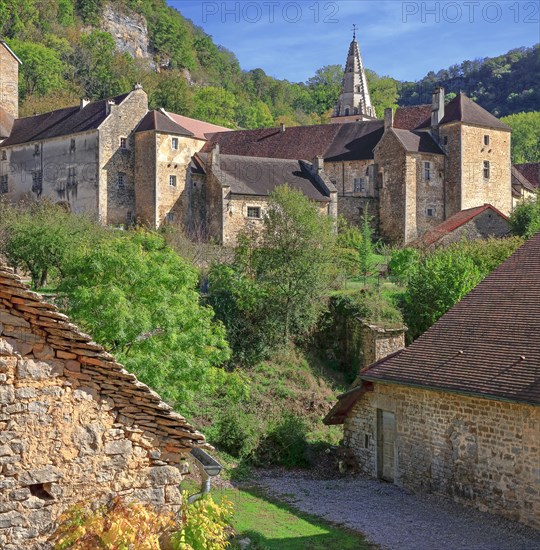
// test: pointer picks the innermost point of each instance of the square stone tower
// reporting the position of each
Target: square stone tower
(9, 80)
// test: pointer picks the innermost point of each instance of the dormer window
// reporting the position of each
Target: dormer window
(486, 140)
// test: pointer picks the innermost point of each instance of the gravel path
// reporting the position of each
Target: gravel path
(397, 520)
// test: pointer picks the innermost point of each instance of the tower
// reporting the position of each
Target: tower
(354, 103)
(9, 81)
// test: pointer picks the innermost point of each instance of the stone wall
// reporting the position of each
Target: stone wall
(487, 224)
(74, 425)
(9, 82)
(117, 202)
(429, 192)
(68, 166)
(476, 190)
(145, 178)
(453, 170)
(173, 162)
(342, 174)
(480, 451)
(392, 168)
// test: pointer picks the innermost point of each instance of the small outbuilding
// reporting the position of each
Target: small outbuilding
(472, 224)
(74, 424)
(458, 412)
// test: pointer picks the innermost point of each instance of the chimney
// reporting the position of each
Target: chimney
(388, 118)
(84, 102)
(110, 104)
(214, 157)
(138, 86)
(282, 128)
(318, 164)
(437, 106)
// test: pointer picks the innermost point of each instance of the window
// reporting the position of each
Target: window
(175, 143)
(445, 140)
(4, 155)
(3, 185)
(172, 181)
(253, 212)
(359, 185)
(427, 171)
(170, 217)
(37, 150)
(72, 177)
(37, 182)
(129, 217)
(486, 169)
(486, 140)
(72, 146)
(123, 143)
(430, 211)
(121, 180)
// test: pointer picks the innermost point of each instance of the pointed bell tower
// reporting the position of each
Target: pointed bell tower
(354, 103)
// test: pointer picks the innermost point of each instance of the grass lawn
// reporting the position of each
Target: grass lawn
(273, 525)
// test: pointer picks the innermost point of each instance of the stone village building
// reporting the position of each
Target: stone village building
(124, 164)
(458, 411)
(74, 424)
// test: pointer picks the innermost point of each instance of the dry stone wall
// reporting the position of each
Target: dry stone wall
(74, 424)
(482, 452)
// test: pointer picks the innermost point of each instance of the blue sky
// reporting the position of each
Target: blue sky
(403, 39)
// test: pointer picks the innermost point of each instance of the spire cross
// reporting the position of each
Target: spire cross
(354, 31)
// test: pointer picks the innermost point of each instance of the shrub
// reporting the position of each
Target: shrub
(205, 525)
(284, 443)
(525, 219)
(403, 263)
(236, 432)
(117, 525)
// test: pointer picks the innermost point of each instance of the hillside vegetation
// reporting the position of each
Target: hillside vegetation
(68, 52)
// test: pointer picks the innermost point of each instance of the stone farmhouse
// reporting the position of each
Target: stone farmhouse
(74, 424)
(125, 164)
(458, 412)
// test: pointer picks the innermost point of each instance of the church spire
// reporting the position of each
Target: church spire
(354, 102)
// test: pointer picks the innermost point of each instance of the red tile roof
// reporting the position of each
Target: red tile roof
(199, 128)
(335, 142)
(455, 221)
(488, 344)
(531, 170)
(412, 116)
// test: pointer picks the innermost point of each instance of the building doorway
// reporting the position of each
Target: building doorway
(386, 438)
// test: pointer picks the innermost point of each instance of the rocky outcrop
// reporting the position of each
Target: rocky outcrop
(129, 31)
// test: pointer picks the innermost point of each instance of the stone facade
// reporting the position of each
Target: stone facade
(9, 81)
(117, 163)
(74, 425)
(482, 452)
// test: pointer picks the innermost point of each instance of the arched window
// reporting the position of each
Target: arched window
(347, 111)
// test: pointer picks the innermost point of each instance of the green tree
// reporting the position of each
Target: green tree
(253, 114)
(383, 92)
(41, 237)
(525, 218)
(42, 70)
(525, 136)
(324, 88)
(139, 299)
(173, 94)
(294, 261)
(440, 281)
(215, 105)
(365, 250)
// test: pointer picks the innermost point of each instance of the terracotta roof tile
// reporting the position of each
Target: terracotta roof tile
(531, 171)
(335, 142)
(488, 344)
(455, 221)
(199, 128)
(412, 116)
(61, 122)
(157, 121)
